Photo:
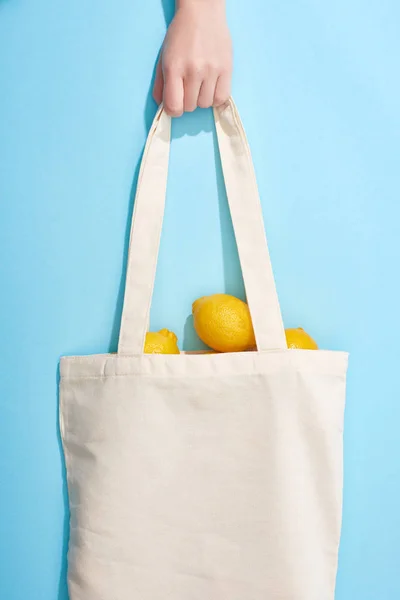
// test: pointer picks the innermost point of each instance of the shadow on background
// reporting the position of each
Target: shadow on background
(202, 120)
(62, 585)
(121, 291)
(191, 341)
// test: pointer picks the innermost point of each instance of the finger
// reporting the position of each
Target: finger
(222, 89)
(207, 92)
(173, 94)
(158, 84)
(192, 85)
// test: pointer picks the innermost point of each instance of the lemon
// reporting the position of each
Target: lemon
(162, 342)
(223, 323)
(299, 339)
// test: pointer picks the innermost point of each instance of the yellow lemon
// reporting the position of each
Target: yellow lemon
(162, 342)
(224, 323)
(299, 339)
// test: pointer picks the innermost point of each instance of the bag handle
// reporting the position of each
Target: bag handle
(246, 212)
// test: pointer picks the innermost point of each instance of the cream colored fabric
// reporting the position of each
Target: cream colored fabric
(214, 477)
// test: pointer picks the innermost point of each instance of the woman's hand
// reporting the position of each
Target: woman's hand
(195, 65)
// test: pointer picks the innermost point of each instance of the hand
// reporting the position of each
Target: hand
(195, 65)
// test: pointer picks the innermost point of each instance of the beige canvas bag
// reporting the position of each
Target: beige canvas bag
(214, 477)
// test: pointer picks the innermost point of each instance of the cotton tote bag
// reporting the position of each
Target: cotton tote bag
(214, 477)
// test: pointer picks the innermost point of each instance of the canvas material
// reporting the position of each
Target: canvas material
(245, 208)
(214, 477)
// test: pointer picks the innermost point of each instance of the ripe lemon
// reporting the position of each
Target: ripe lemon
(162, 342)
(223, 323)
(299, 339)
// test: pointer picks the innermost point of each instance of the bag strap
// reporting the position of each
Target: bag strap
(245, 208)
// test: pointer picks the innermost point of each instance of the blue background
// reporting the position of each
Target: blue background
(317, 84)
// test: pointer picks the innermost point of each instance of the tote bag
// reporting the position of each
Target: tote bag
(203, 477)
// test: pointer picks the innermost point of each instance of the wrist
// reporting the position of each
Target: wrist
(208, 4)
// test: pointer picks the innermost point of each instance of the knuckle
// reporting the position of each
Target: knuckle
(172, 66)
(213, 68)
(195, 69)
(227, 72)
